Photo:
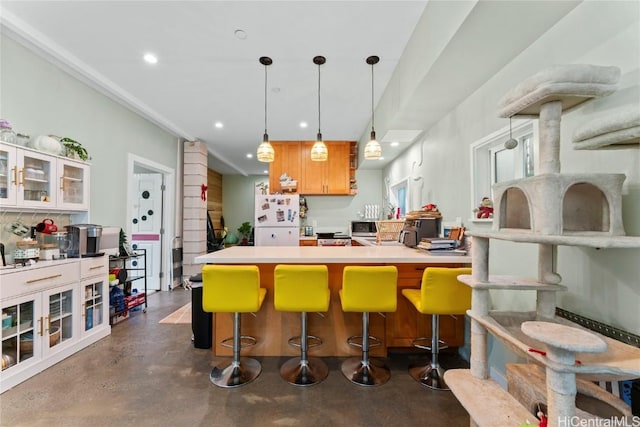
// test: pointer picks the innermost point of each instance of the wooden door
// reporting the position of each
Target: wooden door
(287, 160)
(337, 176)
(313, 173)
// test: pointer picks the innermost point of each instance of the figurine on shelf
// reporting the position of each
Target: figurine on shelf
(303, 207)
(430, 207)
(485, 210)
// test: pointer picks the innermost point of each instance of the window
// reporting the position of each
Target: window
(399, 196)
(491, 162)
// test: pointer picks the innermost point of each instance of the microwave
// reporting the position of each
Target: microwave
(363, 228)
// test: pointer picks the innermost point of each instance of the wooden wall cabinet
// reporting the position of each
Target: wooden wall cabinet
(330, 177)
(333, 177)
(287, 160)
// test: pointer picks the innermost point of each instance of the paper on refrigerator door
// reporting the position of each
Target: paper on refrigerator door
(277, 211)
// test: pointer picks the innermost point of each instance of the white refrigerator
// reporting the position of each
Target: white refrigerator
(277, 220)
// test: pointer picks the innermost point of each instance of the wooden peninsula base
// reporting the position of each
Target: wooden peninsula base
(273, 329)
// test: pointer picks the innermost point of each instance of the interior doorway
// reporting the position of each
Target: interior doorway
(150, 187)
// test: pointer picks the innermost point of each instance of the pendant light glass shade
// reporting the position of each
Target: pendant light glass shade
(319, 151)
(372, 150)
(265, 153)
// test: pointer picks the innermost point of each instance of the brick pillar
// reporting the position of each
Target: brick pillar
(194, 209)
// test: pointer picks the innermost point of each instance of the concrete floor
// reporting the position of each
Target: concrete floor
(149, 374)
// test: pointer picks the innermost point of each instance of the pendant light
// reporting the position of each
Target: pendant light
(266, 152)
(511, 143)
(372, 150)
(319, 152)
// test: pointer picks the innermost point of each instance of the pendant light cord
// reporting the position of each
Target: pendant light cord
(265, 99)
(372, 128)
(319, 99)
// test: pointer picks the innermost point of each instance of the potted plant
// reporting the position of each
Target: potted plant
(74, 149)
(244, 230)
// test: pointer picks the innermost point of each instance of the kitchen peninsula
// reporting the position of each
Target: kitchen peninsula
(273, 329)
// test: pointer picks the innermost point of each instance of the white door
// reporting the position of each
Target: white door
(146, 223)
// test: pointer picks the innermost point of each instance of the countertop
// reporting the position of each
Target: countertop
(303, 237)
(375, 254)
(36, 265)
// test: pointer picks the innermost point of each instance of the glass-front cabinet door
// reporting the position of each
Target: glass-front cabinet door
(8, 175)
(73, 188)
(36, 180)
(58, 321)
(94, 304)
(21, 328)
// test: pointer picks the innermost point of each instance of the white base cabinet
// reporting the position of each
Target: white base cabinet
(50, 311)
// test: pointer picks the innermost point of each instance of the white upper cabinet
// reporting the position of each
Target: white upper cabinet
(73, 185)
(30, 179)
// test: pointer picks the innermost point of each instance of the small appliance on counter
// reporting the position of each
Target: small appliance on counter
(333, 239)
(363, 228)
(84, 240)
(416, 229)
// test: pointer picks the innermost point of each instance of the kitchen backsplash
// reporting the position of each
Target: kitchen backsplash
(12, 220)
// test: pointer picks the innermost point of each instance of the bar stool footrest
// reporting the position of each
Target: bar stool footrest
(356, 341)
(416, 343)
(312, 341)
(245, 341)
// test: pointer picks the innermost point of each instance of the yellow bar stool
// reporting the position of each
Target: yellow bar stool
(233, 289)
(440, 293)
(368, 289)
(302, 288)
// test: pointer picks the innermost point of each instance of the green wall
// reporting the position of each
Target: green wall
(39, 98)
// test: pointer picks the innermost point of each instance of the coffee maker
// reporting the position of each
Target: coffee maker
(84, 240)
(416, 229)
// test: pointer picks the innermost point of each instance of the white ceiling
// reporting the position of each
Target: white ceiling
(205, 73)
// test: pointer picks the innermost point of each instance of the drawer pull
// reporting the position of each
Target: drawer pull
(41, 326)
(44, 278)
(97, 266)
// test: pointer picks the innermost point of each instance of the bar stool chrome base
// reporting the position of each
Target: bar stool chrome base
(229, 374)
(429, 376)
(370, 373)
(303, 373)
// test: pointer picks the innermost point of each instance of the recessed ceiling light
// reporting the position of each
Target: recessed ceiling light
(240, 34)
(303, 124)
(218, 125)
(267, 172)
(150, 58)
(249, 156)
(381, 158)
(394, 144)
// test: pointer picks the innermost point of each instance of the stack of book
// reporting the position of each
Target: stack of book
(441, 246)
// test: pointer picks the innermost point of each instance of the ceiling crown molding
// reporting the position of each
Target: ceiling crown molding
(34, 40)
